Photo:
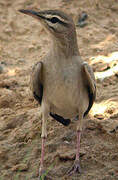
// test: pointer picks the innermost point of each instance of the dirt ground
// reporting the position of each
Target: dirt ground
(23, 42)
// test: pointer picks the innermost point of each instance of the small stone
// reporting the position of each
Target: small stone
(114, 116)
(81, 20)
(8, 30)
(3, 62)
(70, 156)
(1, 69)
(110, 110)
(31, 47)
(3, 154)
(66, 142)
(21, 61)
(20, 167)
(99, 116)
(104, 67)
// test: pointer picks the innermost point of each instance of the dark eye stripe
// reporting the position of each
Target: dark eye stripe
(59, 21)
(62, 22)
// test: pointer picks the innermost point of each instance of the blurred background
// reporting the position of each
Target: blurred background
(24, 42)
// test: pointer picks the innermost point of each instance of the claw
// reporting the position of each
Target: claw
(75, 168)
(42, 175)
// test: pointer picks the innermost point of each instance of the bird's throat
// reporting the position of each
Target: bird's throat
(66, 47)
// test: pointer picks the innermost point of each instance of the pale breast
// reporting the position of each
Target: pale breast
(62, 90)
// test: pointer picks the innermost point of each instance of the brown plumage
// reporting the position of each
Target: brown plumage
(62, 82)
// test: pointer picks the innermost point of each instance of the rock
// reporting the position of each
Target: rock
(1, 69)
(4, 63)
(3, 154)
(7, 99)
(110, 110)
(69, 157)
(114, 116)
(8, 83)
(20, 167)
(81, 20)
(99, 116)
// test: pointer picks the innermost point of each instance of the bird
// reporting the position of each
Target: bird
(62, 82)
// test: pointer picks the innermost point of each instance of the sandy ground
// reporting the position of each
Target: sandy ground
(23, 42)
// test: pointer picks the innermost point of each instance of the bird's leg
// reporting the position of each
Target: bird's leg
(77, 160)
(76, 166)
(43, 136)
(42, 153)
(40, 115)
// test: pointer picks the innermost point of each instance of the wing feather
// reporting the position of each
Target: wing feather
(36, 85)
(36, 82)
(89, 81)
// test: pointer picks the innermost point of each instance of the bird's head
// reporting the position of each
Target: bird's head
(54, 21)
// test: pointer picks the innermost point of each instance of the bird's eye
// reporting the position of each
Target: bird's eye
(54, 20)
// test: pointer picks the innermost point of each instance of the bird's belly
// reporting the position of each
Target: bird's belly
(62, 90)
(64, 99)
(65, 112)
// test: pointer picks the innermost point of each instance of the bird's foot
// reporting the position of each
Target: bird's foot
(43, 175)
(75, 168)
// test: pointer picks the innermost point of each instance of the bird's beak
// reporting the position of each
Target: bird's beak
(32, 13)
(38, 15)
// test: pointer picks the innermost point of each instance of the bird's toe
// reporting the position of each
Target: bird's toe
(43, 175)
(76, 168)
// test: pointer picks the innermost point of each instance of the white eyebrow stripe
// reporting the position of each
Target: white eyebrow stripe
(51, 16)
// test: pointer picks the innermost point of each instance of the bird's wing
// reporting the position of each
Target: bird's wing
(89, 82)
(36, 82)
(36, 85)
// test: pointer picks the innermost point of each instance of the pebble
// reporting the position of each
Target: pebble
(114, 116)
(1, 69)
(81, 20)
(99, 116)
(20, 167)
